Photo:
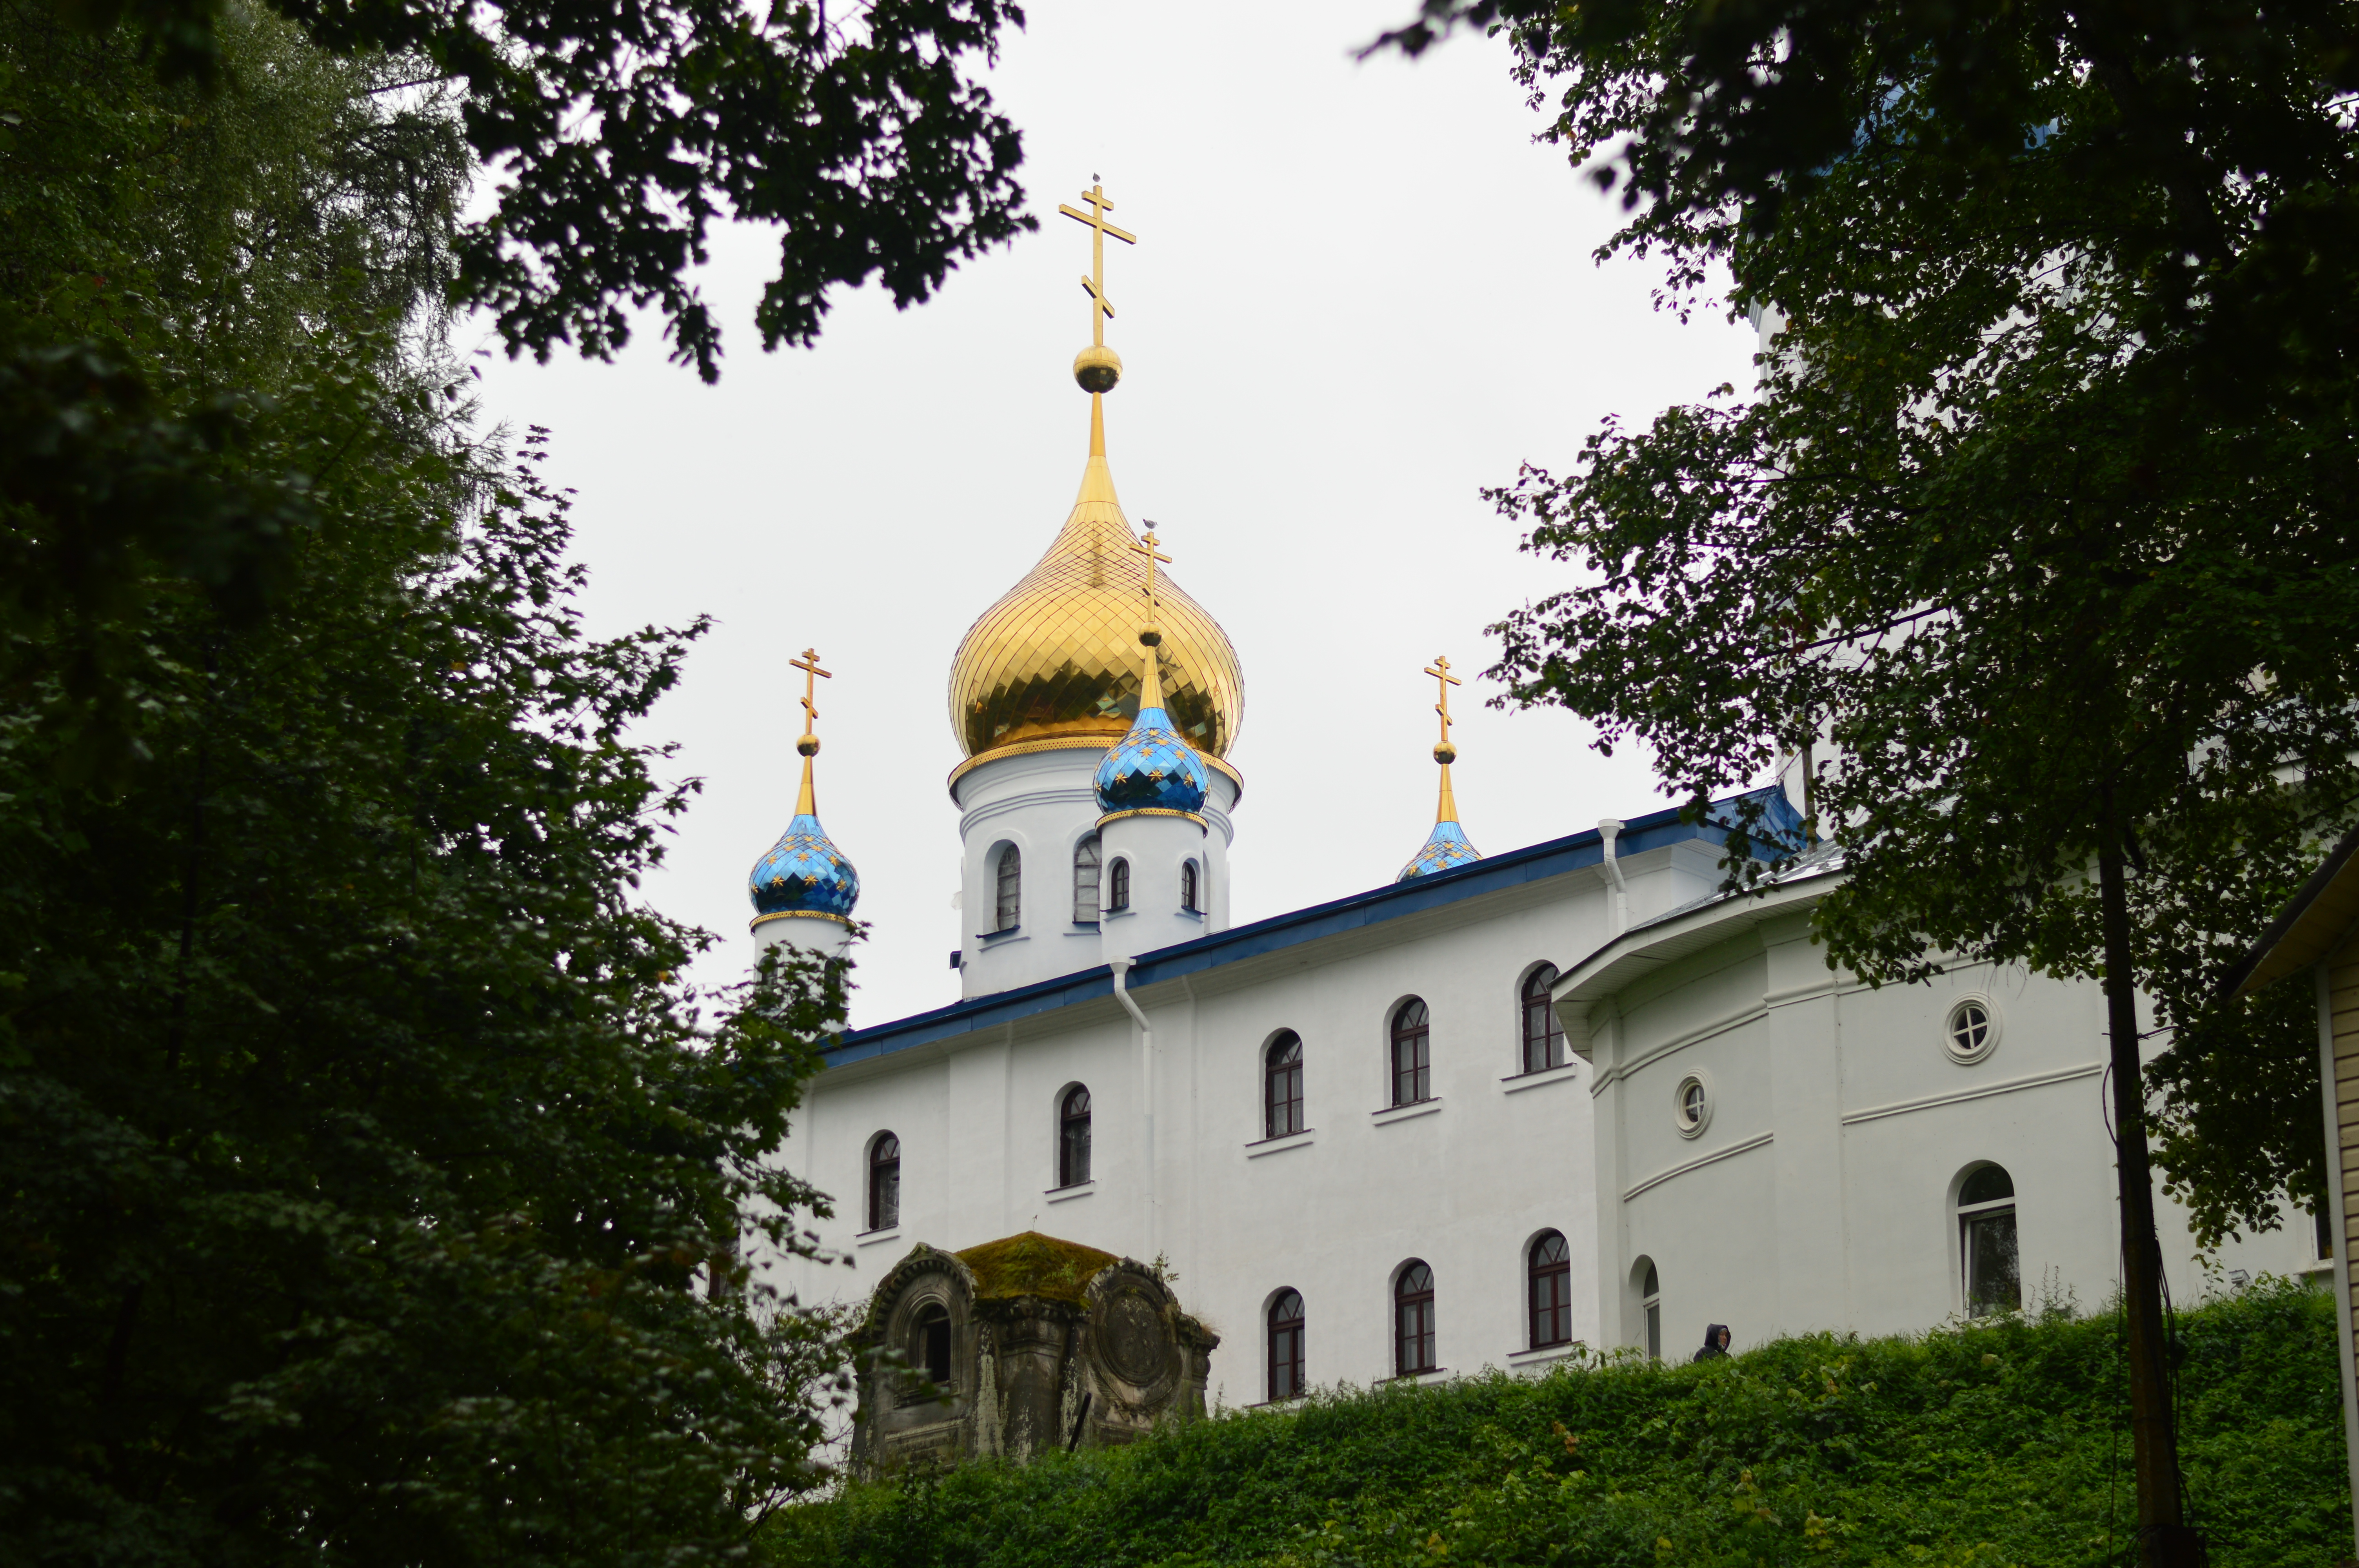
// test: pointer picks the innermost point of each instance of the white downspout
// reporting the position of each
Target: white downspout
(1121, 968)
(1608, 830)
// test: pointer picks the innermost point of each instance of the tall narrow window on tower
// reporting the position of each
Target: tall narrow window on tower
(1086, 871)
(1118, 888)
(884, 1182)
(1007, 908)
(1073, 1138)
(1543, 1035)
(1412, 1054)
(1187, 898)
(1282, 1086)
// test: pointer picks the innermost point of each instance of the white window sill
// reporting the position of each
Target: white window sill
(1067, 1195)
(1545, 1354)
(991, 939)
(877, 1237)
(1279, 1144)
(1523, 1081)
(1393, 1113)
(1423, 1379)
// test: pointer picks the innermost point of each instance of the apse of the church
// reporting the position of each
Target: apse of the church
(1018, 1346)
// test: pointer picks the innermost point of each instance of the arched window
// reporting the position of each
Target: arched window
(1086, 868)
(1073, 1138)
(1413, 1319)
(884, 1182)
(1412, 1053)
(1992, 1267)
(1548, 1271)
(933, 1345)
(1008, 907)
(1188, 899)
(1282, 1086)
(1118, 886)
(1650, 1303)
(1543, 1035)
(1286, 1345)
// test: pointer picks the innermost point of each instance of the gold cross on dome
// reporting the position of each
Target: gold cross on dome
(1101, 308)
(1147, 548)
(812, 675)
(1440, 671)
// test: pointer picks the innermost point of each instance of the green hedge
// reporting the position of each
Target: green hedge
(1979, 1446)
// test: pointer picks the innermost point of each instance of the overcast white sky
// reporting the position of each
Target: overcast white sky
(1360, 294)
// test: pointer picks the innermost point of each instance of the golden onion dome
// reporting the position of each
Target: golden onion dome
(1056, 662)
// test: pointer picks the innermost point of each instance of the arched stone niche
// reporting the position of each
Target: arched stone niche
(1053, 1345)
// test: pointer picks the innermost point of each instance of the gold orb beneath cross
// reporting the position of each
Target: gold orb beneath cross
(1097, 368)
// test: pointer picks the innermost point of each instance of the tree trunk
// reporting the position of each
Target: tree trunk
(2164, 1539)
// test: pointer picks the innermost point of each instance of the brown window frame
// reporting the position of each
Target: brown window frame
(1118, 885)
(1188, 899)
(1284, 1339)
(1073, 1137)
(884, 1166)
(1412, 1072)
(1281, 1087)
(1548, 1290)
(1413, 1340)
(1543, 1031)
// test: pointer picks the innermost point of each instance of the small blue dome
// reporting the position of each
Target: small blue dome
(1153, 769)
(804, 873)
(1446, 847)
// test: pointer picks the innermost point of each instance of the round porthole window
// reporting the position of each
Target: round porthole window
(1692, 1105)
(1971, 1033)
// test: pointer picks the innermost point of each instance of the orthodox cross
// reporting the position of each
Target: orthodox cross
(812, 675)
(1440, 671)
(1101, 308)
(1147, 548)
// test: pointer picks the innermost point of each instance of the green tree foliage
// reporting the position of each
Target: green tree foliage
(370, 1190)
(1983, 1446)
(617, 134)
(170, 267)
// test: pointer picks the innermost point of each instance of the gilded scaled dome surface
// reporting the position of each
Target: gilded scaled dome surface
(1057, 660)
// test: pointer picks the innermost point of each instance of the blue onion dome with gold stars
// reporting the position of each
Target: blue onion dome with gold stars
(1154, 769)
(804, 875)
(1447, 847)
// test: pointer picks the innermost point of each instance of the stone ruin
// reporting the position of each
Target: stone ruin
(1018, 1346)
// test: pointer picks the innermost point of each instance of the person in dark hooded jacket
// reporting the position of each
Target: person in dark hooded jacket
(1715, 1343)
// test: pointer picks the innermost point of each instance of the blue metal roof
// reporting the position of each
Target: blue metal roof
(1391, 901)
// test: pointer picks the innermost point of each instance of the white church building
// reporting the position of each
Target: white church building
(1502, 1107)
